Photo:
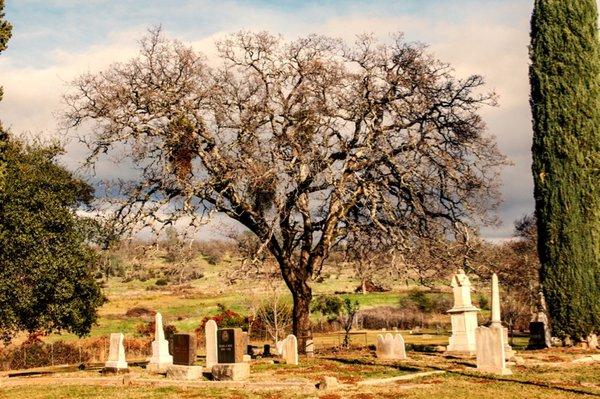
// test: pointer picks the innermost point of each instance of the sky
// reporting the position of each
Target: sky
(56, 40)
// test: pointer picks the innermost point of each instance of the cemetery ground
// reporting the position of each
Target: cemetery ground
(550, 373)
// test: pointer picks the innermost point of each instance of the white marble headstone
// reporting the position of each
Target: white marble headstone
(116, 352)
(390, 347)
(290, 350)
(210, 331)
(463, 316)
(490, 350)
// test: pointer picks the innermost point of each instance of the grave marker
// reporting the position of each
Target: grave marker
(390, 347)
(210, 331)
(116, 353)
(184, 349)
(230, 345)
(496, 319)
(490, 350)
(290, 350)
(463, 316)
(161, 358)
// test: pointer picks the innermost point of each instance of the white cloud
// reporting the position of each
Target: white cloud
(490, 40)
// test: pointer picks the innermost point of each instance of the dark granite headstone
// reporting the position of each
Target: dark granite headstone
(537, 335)
(184, 349)
(230, 345)
(267, 350)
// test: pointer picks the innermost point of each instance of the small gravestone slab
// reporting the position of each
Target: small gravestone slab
(537, 335)
(290, 351)
(230, 345)
(390, 347)
(267, 350)
(116, 355)
(184, 349)
(490, 350)
(210, 331)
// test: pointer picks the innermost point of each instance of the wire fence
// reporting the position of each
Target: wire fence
(41, 354)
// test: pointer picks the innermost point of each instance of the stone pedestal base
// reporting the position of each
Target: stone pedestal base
(180, 372)
(158, 368)
(231, 371)
(115, 365)
(464, 323)
(504, 371)
(114, 370)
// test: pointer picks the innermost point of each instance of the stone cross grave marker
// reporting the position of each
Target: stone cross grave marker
(116, 353)
(184, 349)
(230, 345)
(210, 331)
(490, 350)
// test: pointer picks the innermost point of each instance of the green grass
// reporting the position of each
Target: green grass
(460, 382)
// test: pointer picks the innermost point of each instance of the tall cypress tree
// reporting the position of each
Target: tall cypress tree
(5, 33)
(565, 102)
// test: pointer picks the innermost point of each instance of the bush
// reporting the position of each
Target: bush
(330, 306)
(389, 317)
(226, 318)
(147, 330)
(140, 311)
(483, 302)
(161, 282)
(424, 302)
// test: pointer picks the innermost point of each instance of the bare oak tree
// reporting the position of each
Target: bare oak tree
(298, 141)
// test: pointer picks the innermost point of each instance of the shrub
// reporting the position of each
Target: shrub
(329, 306)
(226, 318)
(147, 330)
(140, 311)
(424, 302)
(161, 282)
(389, 317)
(483, 302)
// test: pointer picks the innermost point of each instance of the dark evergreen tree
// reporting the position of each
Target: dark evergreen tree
(46, 268)
(5, 33)
(565, 102)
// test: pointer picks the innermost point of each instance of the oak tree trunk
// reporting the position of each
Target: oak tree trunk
(301, 328)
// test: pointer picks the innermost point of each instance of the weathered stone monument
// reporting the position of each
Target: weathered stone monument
(184, 349)
(116, 353)
(496, 319)
(230, 356)
(490, 350)
(230, 345)
(210, 331)
(310, 348)
(539, 330)
(463, 316)
(290, 350)
(184, 357)
(390, 347)
(161, 358)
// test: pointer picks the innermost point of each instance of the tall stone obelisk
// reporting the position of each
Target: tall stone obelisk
(161, 358)
(496, 318)
(463, 316)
